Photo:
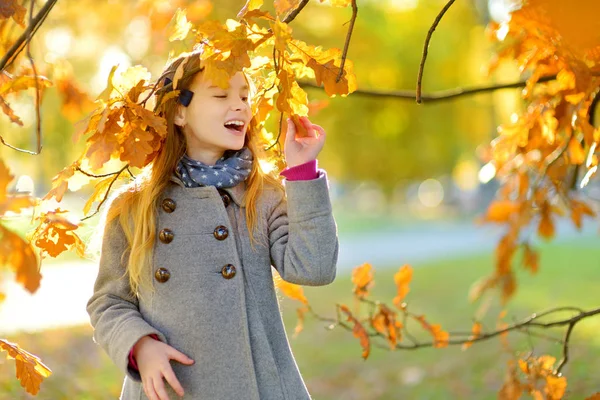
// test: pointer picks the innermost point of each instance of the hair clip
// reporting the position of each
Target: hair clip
(185, 95)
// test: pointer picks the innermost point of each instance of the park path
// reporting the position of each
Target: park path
(66, 287)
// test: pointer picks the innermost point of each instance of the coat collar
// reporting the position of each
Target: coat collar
(237, 192)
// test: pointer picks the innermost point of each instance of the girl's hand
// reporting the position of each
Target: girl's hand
(152, 357)
(303, 149)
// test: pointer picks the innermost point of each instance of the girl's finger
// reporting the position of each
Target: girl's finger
(159, 387)
(308, 126)
(149, 390)
(319, 129)
(291, 131)
(176, 355)
(173, 381)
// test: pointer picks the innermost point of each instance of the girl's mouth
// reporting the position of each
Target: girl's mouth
(236, 128)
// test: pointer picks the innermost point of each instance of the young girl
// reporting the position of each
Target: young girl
(184, 301)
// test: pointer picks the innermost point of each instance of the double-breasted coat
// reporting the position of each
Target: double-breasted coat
(214, 297)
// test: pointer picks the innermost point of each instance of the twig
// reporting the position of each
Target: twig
(292, 15)
(348, 35)
(434, 96)
(278, 134)
(426, 45)
(38, 130)
(106, 194)
(565, 358)
(97, 176)
(17, 47)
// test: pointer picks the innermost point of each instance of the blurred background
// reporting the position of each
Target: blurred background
(407, 183)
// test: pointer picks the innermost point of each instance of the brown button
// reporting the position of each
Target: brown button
(169, 205)
(221, 232)
(166, 235)
(226, 199)
(228, 271)
(162, 275)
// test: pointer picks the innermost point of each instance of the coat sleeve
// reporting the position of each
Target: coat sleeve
(113, 309)
(302, 233)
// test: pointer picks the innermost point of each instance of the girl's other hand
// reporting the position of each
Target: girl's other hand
(300, 150)
(152, 357)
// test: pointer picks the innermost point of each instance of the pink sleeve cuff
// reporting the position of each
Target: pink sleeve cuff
(302, 172)
(132, 362)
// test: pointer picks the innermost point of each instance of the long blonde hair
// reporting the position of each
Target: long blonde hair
(137, 208)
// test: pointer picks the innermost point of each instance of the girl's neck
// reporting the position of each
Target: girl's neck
(205, 157)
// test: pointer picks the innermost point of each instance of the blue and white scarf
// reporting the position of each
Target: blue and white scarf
(231, 169)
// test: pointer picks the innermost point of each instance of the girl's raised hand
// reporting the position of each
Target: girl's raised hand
(153, 360)
(300, 150)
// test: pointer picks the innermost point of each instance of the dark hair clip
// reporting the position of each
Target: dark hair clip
(185, 95)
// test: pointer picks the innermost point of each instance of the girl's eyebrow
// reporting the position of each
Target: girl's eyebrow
(245, 87)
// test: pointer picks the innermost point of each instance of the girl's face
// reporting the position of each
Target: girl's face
(216, 119)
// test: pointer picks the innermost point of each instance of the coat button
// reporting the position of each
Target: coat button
(226, 199)
(162, 275)
(166, 235)
(221, 232)
(228, 271)
(169, 205)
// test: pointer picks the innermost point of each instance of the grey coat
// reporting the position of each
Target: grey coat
(214, 298)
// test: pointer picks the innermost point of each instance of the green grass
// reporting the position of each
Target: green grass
(330, 360)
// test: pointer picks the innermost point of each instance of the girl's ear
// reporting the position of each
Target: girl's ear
(180, 114)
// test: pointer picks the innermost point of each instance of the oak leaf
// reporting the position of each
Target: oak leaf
(402, 279)
(359, 331)
(440, 336)
(19, 255)
(30, 369)
(362, 277)
(294, 292)
(284, 6)
(9, 112)
(12, 8)
(56, 234)
(476, 332)
(180, 26)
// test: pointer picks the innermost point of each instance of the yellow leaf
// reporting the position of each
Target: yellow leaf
(106, 93)
(250, 5)
(99, 192)
(23, 82)
(362, 278)
(285, 6)
(16, 253)
(531, 259)
(294, 292)
(402, 279)
(341, 3)
(283, 33)
(180, 27)
(555, 387)
(576, 153)
(60, 183)
(30, 369)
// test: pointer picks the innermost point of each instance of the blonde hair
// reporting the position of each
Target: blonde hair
(137, 208)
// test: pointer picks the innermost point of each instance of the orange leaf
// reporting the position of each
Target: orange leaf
(402, 279)
(501, 210)
(56, 234)
(285, 6)
(137, 146)
(326, 74)
(440, 336)
(19, 255)
(60, 183)
(546, 227)
(578, 209)
(300, 325)
(294, 292)
(531, 259)
(555, 387)
(595, 396)
(576, 153)
(362, 277)
(476, 330)
(14, 118)
(30, 369)
(385, 322)
(12, 8)
(358, 331)
(5, 179)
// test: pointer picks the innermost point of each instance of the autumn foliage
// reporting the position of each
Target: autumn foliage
(541, 159)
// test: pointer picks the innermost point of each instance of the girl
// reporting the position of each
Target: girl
(184, 301)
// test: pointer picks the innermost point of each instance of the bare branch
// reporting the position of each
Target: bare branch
(38, 130)
(117, 174)
(426, 45)
(348, 36)
(565, 358)
(434, 96)
(291, 16)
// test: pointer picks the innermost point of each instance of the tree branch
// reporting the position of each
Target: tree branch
(34, 24)
(116, 174)
(348, 36)
(38, 130)
(434, 96)
(426, 45)
(292, 15)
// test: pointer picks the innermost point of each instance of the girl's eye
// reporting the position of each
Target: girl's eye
(221, 97)
(244, 99)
